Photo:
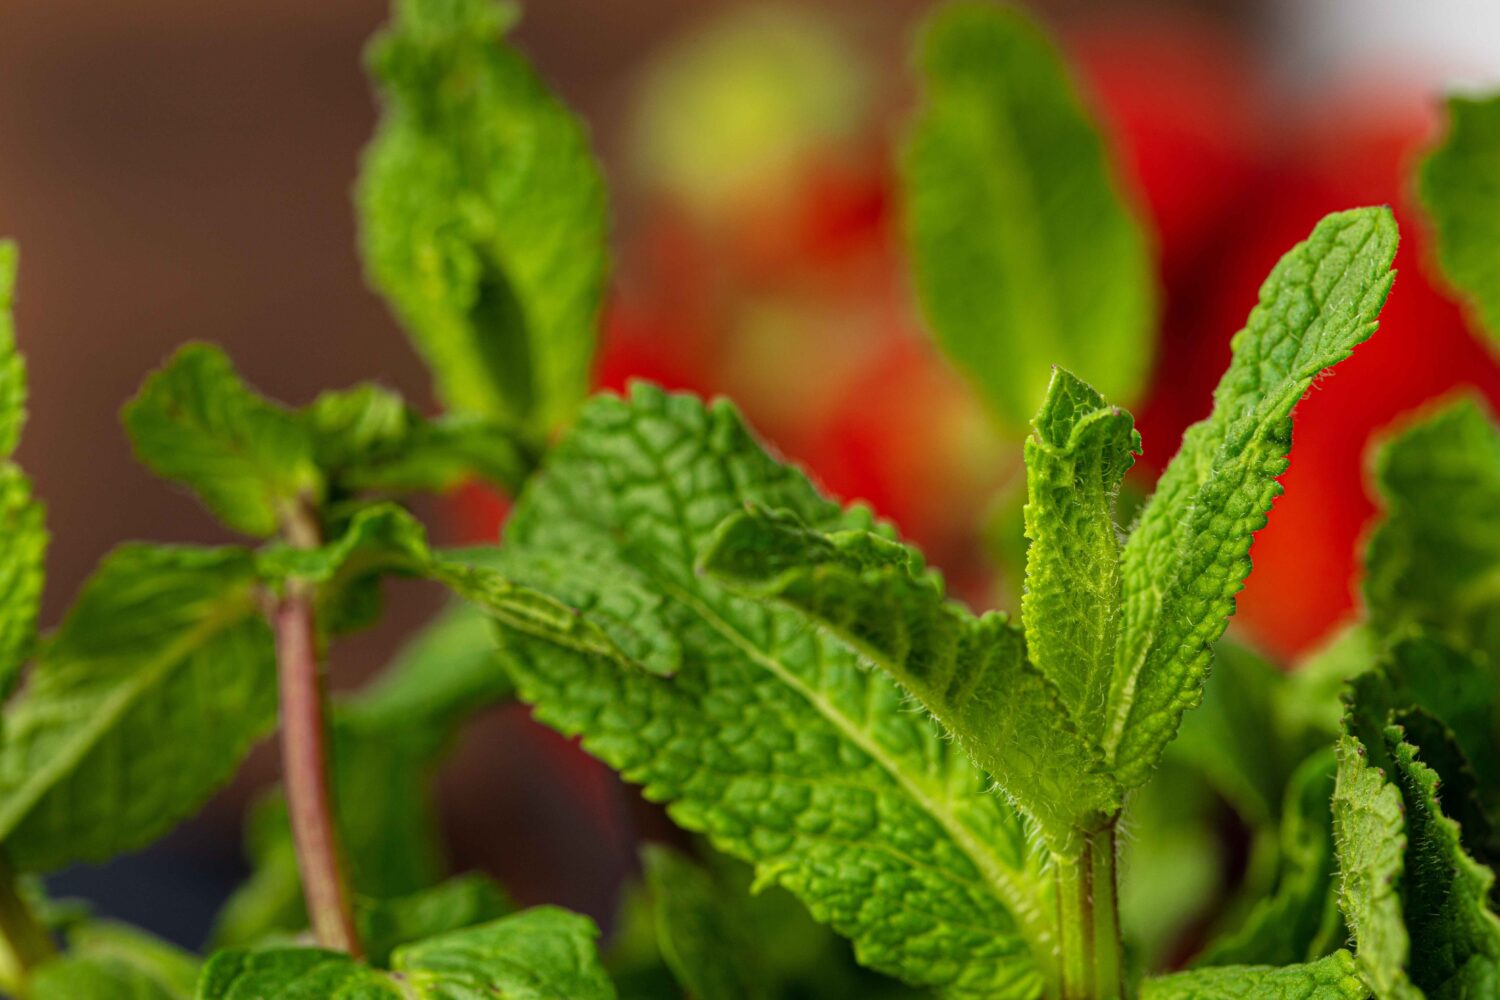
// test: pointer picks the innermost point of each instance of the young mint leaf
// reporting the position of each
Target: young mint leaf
(247, 458)
(1300, 919)
(386, 924)
(1331, 978)
(1415, 901)
(367, 438)
(157, 682)
(74, 977)
(23, 535)
(116, 945)
(1433, 558)
(541, 953)
(708, 952)
(1026, 255)
(1456, 185)
(971, 673)
(483, 215)
(1188, 554)
(770, 737)
(1080, 450)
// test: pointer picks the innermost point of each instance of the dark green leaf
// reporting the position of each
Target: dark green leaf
(708, 951)
(386, 924)
(1026, 255)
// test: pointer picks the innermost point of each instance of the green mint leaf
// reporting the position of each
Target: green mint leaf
(367, 439)
(115, 946)
(709, 952)
(1309, 699)
(542, 953)
(1433, 558)
(247, 459)
(75, 977)
(157, 682)
(1189, 552)
(1456, 186)
(12, 367)
(1026, 255)
(23, 534)
(1331, 978)
(1080, 450)
(1299, 920)
(386, 924)
(1415, 901)
(971, 673)
(268, 904)
(769, 737)
(483, 215)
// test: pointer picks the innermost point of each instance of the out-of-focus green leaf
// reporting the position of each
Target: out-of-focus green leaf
(386, 924)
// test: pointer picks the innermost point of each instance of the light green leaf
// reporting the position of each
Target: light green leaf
(770, 737)
(157, 682)
(1434, 559)
(541, 954)
(23, 534)
(1331, 978)
(1308, 701)
(1456, 183)
(111, 961)
(1189, 553)
(386, 924)
(1415, 901)
(708, 951)
(1299, 920)
(1026, 255)
(246, 458)
(268, 904)
(1080, 450)
(367, 438)
(483, 215)
(971, 673)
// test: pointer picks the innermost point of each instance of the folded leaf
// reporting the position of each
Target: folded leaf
(542, 953)
(247, 458)
(367, 438)
(1189, 552)
(770, 737)
(23, 535)
(1081, 449)
(708, 952)
(1299, 920)
(1433, 558)
(483, 215)
(1026, 254)
(971, 673)
(1415, 901)
(1456, 184)
(156, 684)
(1331, 978)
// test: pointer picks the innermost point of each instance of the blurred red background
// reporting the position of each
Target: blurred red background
(175, 170)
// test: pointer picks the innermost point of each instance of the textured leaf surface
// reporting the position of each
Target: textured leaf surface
(157, 682)
(1299, 920)
(770, 736)
(1026, 255)
(1189, 553)
(367, 438)
(1434, 558)
(541, 954)
(971, 673)
(246, 458)
(1332, 978)
(1416, 902)
(483, 214)
(707, 951)
(1457, 186)
(1080, 450)
(23, 535)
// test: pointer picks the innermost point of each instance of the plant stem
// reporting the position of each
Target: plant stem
(26, 942)
(1090, 953)
(304, 760)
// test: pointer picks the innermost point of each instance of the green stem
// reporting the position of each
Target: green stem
(27, 944)
(1090, 953)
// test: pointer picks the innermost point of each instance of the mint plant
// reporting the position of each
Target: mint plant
(951, 792)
